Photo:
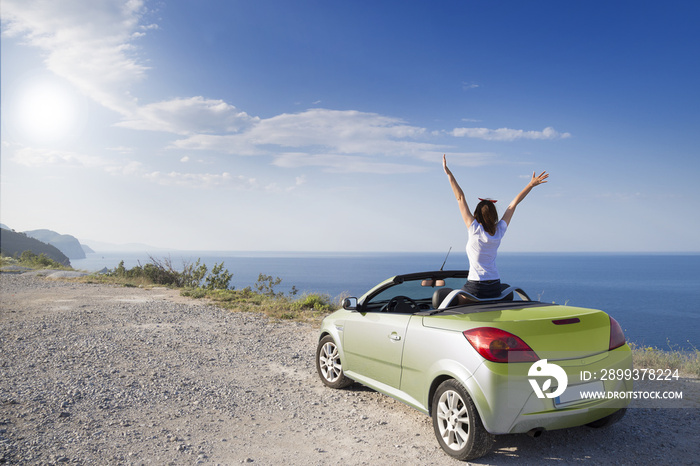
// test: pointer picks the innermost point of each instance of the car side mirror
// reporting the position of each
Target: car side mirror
(350, 304)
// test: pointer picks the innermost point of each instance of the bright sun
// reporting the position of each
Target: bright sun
(47, 111)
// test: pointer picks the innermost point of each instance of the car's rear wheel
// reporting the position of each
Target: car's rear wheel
(457, 423)
(328, 364)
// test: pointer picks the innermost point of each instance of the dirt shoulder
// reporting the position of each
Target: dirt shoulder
(95, 374)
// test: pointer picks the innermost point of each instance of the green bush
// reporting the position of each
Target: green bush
(193, 274)
(219, 278)
(313, 301)
(266, 286)
(196, 293)
(161, 275)
(162, 272)
(29, 259)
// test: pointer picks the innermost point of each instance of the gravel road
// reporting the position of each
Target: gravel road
(96, 374)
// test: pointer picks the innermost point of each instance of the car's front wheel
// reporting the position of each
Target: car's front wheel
(328, 364)
(457, 423)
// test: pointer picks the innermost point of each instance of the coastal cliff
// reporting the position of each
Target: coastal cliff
(67, 244)
(13, 243)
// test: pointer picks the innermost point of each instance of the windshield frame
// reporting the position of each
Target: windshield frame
(411, 285)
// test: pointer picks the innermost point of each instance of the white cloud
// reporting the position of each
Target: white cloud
(200, 180)
(507, 134)
(129, 169)
(238, 144)
(188, 116)
(319, 130)
(276, 188)
(121, 149)
(87, 42)
(34, 157)
(335, 163)
(38, 158)
(348, 131)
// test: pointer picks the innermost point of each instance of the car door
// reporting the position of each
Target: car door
(373, 344)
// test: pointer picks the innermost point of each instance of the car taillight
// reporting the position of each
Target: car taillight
(499, 346)
(617, 337)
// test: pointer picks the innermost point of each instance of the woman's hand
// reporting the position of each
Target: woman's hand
(444, 165)
(538, 180)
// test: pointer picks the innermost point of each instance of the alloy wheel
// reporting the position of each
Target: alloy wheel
(329, 362)
(453, 420)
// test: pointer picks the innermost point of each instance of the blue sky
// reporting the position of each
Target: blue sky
(320, 125)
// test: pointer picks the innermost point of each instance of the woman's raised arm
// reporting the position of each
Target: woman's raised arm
(459, 194)
(535, 181)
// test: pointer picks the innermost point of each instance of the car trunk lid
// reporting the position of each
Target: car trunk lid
(552, 331)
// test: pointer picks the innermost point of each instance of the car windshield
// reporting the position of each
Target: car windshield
(414, 289)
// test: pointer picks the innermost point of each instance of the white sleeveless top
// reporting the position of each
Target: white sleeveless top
(482, 249)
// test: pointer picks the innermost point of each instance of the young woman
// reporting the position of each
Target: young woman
(485, 233)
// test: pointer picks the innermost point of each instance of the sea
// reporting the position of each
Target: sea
(654, 297)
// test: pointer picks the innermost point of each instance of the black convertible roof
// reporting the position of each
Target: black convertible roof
(436, 275)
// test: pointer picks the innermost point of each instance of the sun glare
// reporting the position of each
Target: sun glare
(47, 111)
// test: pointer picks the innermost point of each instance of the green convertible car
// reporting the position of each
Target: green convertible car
(478, 367)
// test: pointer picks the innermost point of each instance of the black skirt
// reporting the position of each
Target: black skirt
(483, 289)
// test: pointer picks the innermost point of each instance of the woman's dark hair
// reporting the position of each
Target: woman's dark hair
(487, 215)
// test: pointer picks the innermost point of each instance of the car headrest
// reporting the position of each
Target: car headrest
(439, 295)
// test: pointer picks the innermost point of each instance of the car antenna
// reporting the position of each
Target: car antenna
(448, 255)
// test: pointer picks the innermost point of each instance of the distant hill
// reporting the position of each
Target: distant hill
(12, 243)
(67, 244)
(75, 249)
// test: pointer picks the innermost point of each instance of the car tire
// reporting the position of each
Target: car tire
(328, 364)
(608, 420)
(457, 424)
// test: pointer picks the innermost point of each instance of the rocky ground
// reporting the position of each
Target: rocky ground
(96, 374)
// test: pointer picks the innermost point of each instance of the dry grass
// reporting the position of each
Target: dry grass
(687, 362)
(307, 308)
